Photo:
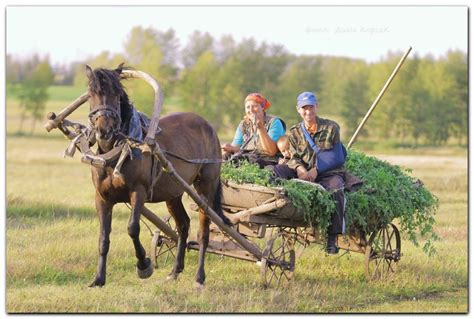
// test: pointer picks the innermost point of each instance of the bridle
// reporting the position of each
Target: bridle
(107, 111)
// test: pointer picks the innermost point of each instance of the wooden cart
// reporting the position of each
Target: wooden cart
(259, 212)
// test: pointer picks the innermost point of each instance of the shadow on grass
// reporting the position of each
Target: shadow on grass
(19, 211)
(35, 135)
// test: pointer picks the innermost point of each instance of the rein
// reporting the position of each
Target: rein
(195, 161)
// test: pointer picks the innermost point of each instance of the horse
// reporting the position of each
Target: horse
(186, 135)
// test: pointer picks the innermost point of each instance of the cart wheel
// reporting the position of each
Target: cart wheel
(301, 242)
(163, 247)
(278, 260)
(382, 252)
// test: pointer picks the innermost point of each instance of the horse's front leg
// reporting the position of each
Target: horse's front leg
(137, 200)
(104, 211)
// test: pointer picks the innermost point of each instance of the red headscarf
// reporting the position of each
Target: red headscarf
(260, 99)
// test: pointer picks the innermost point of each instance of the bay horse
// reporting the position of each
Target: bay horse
(184, 134)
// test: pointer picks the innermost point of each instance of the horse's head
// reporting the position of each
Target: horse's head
(107, 100)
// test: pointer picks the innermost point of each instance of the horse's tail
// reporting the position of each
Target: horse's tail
(218, 204)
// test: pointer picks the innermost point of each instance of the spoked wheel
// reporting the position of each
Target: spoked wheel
(382, 253)
(278, 261)
(302, 241)
(163, 247)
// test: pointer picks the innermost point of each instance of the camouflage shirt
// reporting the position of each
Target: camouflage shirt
(326, 136)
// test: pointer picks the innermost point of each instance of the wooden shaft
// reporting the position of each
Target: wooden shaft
(161, 224)
(55, 120)
(262, 209)
(241, 240)
(377, 99)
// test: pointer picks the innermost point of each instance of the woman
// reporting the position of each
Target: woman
(256, 136)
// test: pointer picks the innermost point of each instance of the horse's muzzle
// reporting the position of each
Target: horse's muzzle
(106, 136)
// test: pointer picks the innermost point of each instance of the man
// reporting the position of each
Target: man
(308, 139)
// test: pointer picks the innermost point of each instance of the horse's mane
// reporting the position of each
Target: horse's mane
(107, 82)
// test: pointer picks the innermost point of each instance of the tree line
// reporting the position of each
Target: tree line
(425, 104)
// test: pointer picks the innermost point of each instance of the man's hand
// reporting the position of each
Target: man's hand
(312, 174)
(305, 175)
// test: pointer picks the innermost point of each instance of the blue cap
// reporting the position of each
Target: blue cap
(306, 98)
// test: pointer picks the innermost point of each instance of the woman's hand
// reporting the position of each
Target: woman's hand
(260, 119)
(229, 148)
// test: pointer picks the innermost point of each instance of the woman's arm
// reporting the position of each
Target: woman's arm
(269, 139)
(236, 142)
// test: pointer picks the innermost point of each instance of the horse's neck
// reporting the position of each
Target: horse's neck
(125, 116)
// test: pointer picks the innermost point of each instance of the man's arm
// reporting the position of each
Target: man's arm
(298, 164)
(295, 160)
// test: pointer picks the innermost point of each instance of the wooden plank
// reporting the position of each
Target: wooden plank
(269, 220)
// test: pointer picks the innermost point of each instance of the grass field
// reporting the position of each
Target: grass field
(52, 237)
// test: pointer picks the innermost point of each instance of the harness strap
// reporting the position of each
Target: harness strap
(88, 157)
(195, 161)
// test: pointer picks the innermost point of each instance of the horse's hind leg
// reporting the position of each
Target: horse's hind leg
(176, 209)
(208, 186)
(137, 200)
(203, 239)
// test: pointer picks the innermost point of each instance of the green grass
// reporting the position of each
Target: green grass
(52, 235)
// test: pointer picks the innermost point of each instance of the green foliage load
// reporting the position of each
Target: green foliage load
(315, 204)
(388, 193)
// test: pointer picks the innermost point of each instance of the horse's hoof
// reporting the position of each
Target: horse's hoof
(147, 272)
(97, 283)
(198, 286)
(172, 277)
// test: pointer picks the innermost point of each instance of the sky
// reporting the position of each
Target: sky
(73, 33)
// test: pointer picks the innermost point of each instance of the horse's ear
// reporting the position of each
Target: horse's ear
(89, 72)
(119, 68)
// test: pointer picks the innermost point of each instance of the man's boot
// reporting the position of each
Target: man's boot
(331, 247)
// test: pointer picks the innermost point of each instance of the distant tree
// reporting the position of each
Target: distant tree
(153, 52)
(33, 93)
(250, 68)
(355, 99)
(228, 89)
(225, 48)
(169, 46)
(332, 74)
(198, 43)
(195, 89)
(105, 59)
(456, 66)
(302, 74)
(440, 85)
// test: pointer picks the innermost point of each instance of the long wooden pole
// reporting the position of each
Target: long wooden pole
(55, 120)
(161, 224)
(377, 99)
